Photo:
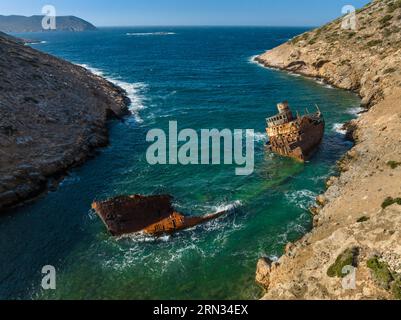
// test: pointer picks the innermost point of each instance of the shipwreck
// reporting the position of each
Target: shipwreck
(153, 215)
(297, 136)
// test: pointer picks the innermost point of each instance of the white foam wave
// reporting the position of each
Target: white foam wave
(143, 237)
(303, 199)
(39, 42)
(355, 110)
(256, 136)
(133, 250)
(260, 137)
(95, 71)
(227, 206)
(324, 84)
(339, 128)
(297, 75)
(319, 81)
(134, 91)
(298, 226)
(144, 34)
(252, 60)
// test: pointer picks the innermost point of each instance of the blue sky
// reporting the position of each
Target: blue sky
(190, 12)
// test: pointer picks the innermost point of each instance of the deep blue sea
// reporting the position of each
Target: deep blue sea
(203, 78)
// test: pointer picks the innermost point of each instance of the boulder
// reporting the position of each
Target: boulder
(321, 200)
(263, 272)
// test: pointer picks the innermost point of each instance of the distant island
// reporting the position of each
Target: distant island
(21, 24)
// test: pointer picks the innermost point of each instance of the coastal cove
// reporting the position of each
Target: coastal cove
(358, 216)
(202, 78)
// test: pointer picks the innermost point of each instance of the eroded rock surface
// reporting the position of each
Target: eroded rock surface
(52, 115)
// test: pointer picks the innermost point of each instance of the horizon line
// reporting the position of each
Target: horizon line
(205, 25)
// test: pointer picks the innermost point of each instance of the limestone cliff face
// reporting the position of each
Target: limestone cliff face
(356, 213)
(52, 115)
(365, 60)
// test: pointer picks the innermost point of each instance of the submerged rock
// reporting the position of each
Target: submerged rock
(153, 215)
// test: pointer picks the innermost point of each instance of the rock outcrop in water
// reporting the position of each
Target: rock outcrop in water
(52, 116)
(356, 211)
(153, 215)
(20, 24)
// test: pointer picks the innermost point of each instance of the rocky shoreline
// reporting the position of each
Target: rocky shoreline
(53, 117)
(357, 220)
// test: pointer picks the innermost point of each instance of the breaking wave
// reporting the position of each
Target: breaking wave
(260, 137)
(355, 110)
(339, 128)
(134, 249)
(39, 42)
(134, 91)
(227, 206)
(324, 84)
(252, 60)
(257, 136)
(303, 199)
(298, 226)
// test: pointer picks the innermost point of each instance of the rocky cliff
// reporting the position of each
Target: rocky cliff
(20, 24)
(357, 222)
(52, 115)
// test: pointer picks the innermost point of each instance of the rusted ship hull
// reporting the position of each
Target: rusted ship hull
(153, 215)
(295, 137)
(303, 149)
(177, 222)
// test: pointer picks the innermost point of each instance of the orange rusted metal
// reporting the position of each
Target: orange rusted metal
(153, 215)
(295, 137)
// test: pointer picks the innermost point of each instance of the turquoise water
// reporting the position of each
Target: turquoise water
(202, 78)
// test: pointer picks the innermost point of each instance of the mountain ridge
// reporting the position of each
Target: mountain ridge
(22, 24)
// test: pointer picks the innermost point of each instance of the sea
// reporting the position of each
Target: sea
(203, 78)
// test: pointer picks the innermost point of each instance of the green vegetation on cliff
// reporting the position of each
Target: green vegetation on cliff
(347, 258)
